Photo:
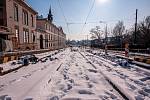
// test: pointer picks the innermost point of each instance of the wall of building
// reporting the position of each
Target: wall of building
(53, 35)
(13, 24)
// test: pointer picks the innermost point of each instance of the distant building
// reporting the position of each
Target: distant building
(18, 24)
(49, 36)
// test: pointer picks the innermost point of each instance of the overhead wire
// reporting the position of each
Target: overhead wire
(88, 16)
(92, 22)
(67, 24)
(84, 23)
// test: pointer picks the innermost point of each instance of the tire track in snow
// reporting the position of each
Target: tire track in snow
(85, 81)
(108, 80)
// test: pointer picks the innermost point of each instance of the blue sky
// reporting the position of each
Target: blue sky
(76, 11)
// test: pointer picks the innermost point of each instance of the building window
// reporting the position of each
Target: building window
(46, 41)
(16, 16)
(17, 33)
(32, 37)
(49, 27)
(54, 37)
(1, 3)
(1, 17)
(49, 36)
(32, 20)
(25, 36)
(25, 17)
(45, 26)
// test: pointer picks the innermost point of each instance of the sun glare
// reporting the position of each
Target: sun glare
(103, 1)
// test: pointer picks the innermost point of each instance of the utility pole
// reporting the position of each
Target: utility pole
(87, 40)
(135, 34)
(106, 40)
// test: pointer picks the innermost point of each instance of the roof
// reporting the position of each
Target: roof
(27, 5)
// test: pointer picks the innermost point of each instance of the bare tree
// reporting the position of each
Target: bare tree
(118, 33)
(96, 33)
(144, 29)
(142, 34)
(118, 29)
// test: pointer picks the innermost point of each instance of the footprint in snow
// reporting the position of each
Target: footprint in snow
(54, 98)
(85, 92)
(111, 95)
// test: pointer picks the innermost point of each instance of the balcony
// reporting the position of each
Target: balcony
(5, 30)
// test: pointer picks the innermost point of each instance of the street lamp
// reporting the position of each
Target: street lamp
(105, 36)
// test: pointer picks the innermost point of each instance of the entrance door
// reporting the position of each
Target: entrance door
(41, 41)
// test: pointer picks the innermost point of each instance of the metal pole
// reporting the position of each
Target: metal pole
(87, 40)
(106, 41)
(135, 34)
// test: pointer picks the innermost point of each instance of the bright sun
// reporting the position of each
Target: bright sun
(103, 1)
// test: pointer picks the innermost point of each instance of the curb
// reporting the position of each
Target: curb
(11, 70)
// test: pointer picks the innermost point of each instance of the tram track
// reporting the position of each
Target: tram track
(135, 79)
(115, 87)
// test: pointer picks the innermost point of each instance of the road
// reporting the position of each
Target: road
(69, 77)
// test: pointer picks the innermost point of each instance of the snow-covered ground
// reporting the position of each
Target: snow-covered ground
(78, 80)
(72, 77)
(18, 84)
(133, 81)
(8, 66)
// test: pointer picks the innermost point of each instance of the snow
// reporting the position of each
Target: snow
(140, 54)
(79, 80)
(129, 79)
(19, 83)
(73, 77)
(7, 66)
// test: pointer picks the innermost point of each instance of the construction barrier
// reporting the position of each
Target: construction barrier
(142, 59)
(6, 59)
(14, 56)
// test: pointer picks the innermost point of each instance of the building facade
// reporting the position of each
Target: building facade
(49, 36)
(18, 24)
(21, 29)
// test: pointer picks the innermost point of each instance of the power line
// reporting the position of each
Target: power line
(88, 16)
(59, 3)
(91, 22)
